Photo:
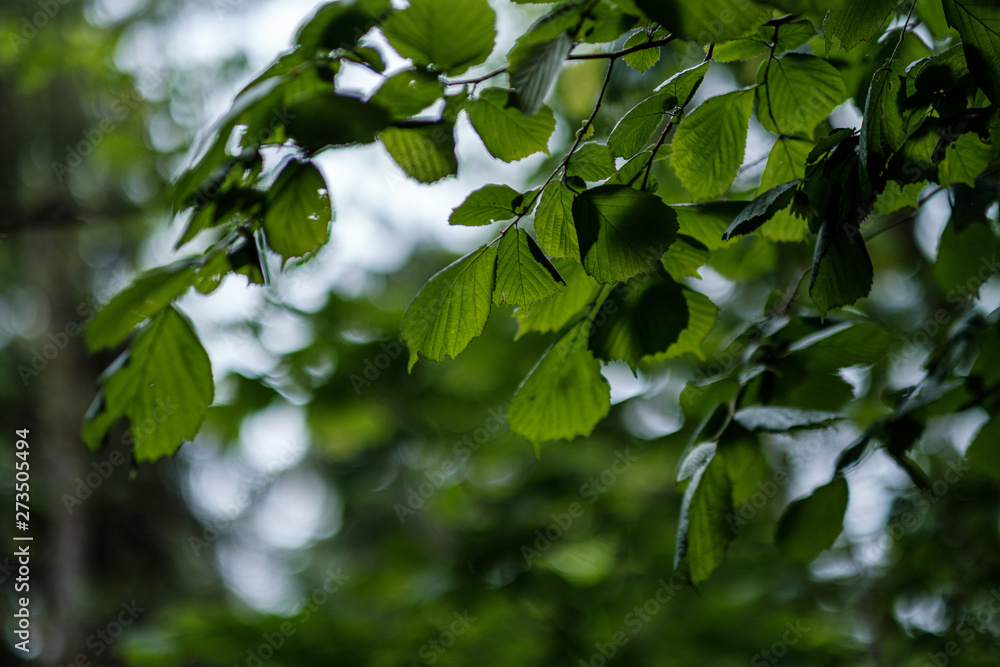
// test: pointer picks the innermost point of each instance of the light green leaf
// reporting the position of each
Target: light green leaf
(811, 525)
(408, 93)
(856, 21)
(701, 21)
(965, 258)
(524, 274)
(163, 388)
(761, 209)
(643, 59)
(685, 257)
(565, 395)
(786, 162)
(643, 318)
(148, 294)
(636, 127)
(298, 215)
(978, 22)
(843, 345)
(622, 232)
(773, 419)
(591, 162)
(507, 133)
(710, 143)
(556, 312)
(534, 67)
(450, 35)
(554, 221)
(425, 151)
(702, 315)
(799, 91)
(964, 160)
(707, 222)
(452, 308)
(486, 205)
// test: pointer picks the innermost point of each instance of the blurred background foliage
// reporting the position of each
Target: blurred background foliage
(337, 510)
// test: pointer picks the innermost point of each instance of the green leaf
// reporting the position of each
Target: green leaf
(843, 345)
(811, 525)
(565, 395)
(163, 388)
(298, 215)
(636, 127)
(408, 93)
(882, 129)
(702, 315)
(855, 22)
(450, 35)
(984, 452)
(554, 221)
(761, 209)
(309, 120)
(703, 21)
(534, 67)
(556, 312)
(964, 160)
(978, 22)
(337, 25)
(786, 162)
(643, 318)
(782, 420)
(709, 144)
(828, 143)
(965, 258)
(703, 532)
(424, 151)
(622, 232)
(148, 294)
(842, 271)
(685, 257)
(486, 205)
(799, 91)
(524, 274)
(591, 162)
(507, 133)
(643, 59)
(452, 308)
(707, 222)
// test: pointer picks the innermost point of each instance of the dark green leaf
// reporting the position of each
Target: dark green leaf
(298, 215)
(556, 312)
(408, 93)
(761, 209)
(622, 232)
(811, 525)
(592, 162)
(842, 270)
(856, 21)
(978, 22)
(534, 67)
